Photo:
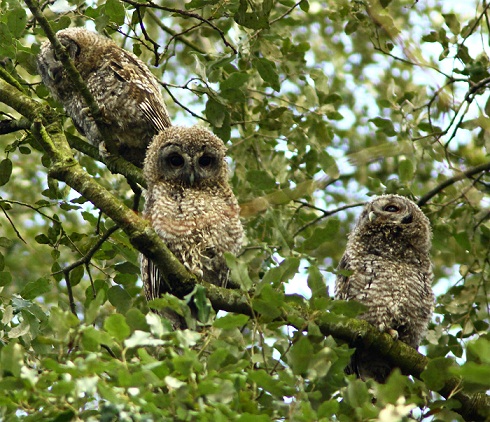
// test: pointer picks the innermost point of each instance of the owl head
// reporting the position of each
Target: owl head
(79, 44)
(188, 156)
(397, 217)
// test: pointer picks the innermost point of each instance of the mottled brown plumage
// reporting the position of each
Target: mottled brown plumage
(126, 91)
(190, 205)
(388, 255)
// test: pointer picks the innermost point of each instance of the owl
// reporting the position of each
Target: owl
(387, 256)
(127, 93)
(190, 205)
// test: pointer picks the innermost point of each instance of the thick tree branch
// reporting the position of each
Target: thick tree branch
(465, 174)
(12, 125)
(358, 333)
(31, 110)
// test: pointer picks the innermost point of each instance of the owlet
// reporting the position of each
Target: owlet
(127, 93)
(190, 205)
(391, 273)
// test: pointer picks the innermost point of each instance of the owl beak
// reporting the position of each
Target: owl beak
(372, 216)
(192, 178)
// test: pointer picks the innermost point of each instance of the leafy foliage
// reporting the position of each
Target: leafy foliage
(321, 106)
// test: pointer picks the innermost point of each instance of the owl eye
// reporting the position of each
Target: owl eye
(206, 160)
(176, 160)
(391, 208)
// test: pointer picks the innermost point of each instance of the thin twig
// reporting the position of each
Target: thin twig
(463, 175)
(88, 256)
(71, 299)
(325, 214)
(183, 106)
(10, 126)
(187, 14)
(11, 222)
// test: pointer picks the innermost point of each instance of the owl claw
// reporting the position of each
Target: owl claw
(393, 333)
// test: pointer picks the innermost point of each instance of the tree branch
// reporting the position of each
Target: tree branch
(31, 110)
(185, 13)
(465, 174)
(358, 333)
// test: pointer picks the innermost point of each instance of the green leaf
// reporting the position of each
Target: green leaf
(36, 288)
(5, 171)
(406, 170)
(116, 325)
(115, 11)
(16, 21)
(300, 355)
(385, 125)
(136, 320)
(437, 373)
(316, 283)
(119, 298)
(11, 358)
(127, 268)
(268, 303)
(42, 239)
(94, 307)
(322, 235)
(203, 305)
(452, 22)
(231, 321)
(271, 383)
(76, 275)
(239, 272)
(284, 272)
(234, 81)
(474, 373)
(258, 18)
(215, 112)
(5, 278)
(268, 72)
(260, 179)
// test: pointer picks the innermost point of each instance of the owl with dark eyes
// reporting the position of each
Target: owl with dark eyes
(190, 205)
(388, 259)
(125, 90)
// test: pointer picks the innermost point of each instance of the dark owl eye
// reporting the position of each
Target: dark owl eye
(206, 160)
(391, 208)
(175, 160)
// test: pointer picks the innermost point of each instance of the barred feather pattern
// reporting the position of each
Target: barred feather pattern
(388, 255)
(124, 88)
(190, 205)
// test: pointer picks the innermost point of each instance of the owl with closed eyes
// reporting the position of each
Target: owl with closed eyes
(125, 90)
(191, 206)
(390, 272)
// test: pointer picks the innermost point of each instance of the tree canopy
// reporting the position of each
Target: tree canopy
(321, 106)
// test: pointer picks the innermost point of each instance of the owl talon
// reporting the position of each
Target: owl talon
(393, 333)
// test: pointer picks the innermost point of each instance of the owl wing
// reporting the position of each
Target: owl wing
(155, 287)
(215, 270)
(342, 284)
(143, 88)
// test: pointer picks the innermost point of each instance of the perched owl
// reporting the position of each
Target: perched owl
(391, 273)
(126, 91)
(190, 205)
